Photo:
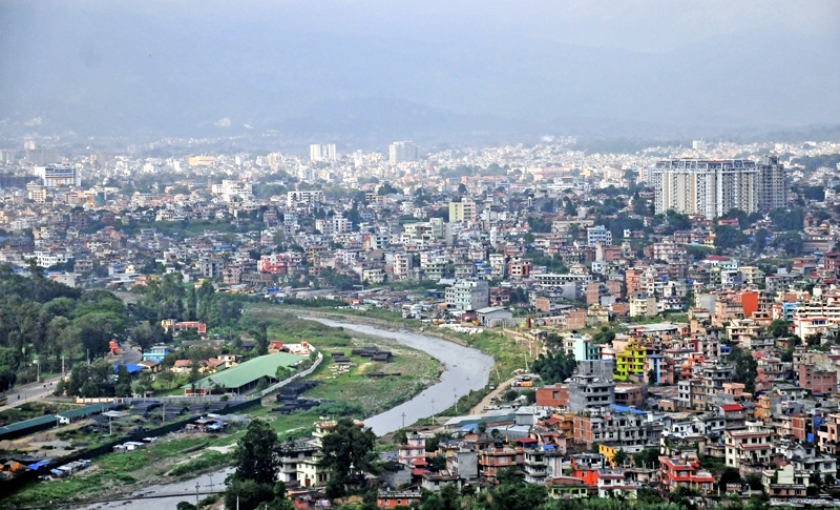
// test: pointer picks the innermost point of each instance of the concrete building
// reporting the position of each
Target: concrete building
(308, 197)
(591, 386)
(772, 184)
(322, 152)
(748, 448)
(57, 176)
(399, 152)
(468, 295)
(465, 210)
(598, 235)
(709, 187)
(616, 428)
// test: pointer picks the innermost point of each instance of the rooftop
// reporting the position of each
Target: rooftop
(250, 371)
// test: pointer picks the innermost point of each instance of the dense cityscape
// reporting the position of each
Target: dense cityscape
(664, 324)
(419, 255)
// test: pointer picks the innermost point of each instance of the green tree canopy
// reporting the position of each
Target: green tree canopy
(348, 454)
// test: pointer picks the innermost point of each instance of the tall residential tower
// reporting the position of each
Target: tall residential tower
(402, 151)
(714, 187)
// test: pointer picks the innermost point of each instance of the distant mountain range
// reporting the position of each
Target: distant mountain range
(94, 75)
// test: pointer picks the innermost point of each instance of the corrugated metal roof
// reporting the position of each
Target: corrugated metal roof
(250, 371)
(81, 412)
(23, 425)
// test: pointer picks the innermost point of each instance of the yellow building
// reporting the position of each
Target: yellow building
(630, 361)
(201, 160)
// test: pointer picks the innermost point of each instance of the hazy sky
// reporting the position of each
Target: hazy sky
(648, 26)
(618, 67)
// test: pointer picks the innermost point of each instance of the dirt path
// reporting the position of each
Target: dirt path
(487, 400)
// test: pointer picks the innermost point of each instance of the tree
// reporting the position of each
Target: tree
(347, 454)
(760, 240)
(789, 242)
(514, 494)
(554, 368)
(123, 386)
(729, 237)
(437, 463)
(746, 367)
(729, 475)
(784, 219)
(620, 457)
(166, 377)
(677, 221)
(778, 328)
(260, 334)
(255, 457)
(247, 494)
(647, 458)
(195, 375)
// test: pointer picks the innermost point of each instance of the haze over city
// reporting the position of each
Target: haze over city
(405, 255)
(432, 70)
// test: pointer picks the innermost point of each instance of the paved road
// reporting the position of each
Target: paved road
(43, 390)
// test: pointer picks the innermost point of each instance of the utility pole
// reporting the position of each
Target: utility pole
(403, 420)
(196, 493)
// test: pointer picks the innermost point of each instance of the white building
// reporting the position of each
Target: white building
(598, 235)
(714, 187)
(56, 176)
(230, 189)
(468, 295)
(322, 152)
(309, 197)
(399, 152)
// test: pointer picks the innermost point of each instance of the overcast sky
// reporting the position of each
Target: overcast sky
(649, 26)
(171, 66)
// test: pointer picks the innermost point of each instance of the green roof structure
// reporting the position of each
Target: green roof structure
(81, 412)
(25, 427)
(250, 371)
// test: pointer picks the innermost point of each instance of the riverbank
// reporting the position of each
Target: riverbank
(352, 392)
(465, 369)
(510, 352)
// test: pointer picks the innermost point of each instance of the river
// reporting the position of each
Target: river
(465, 369)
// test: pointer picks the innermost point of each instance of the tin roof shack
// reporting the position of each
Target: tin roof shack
(72, 415)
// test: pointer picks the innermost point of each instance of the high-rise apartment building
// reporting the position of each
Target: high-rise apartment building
(714, 187)
(772, 184)
(399, 152)
(322, 152)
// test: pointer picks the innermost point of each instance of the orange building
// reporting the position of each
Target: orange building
(585, 467)
(749, 300)
(685, 471)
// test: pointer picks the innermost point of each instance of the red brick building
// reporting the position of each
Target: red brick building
(556, 395)
(819, 381)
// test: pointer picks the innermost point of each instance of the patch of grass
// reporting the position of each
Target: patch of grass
(508, 353)
(417, 370)
(207, 460)
(110, 471)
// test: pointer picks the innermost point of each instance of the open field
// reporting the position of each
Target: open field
(353, 392)
(509, 354)
(417, 370)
